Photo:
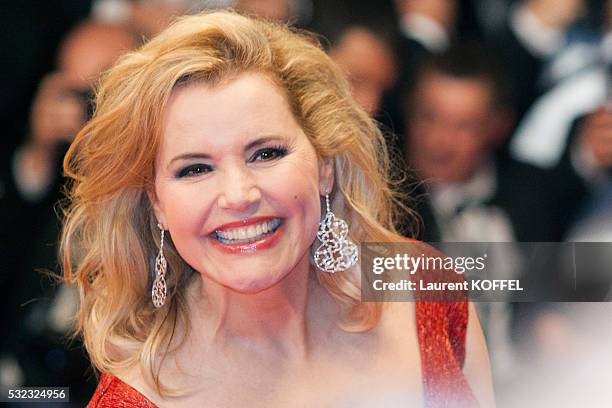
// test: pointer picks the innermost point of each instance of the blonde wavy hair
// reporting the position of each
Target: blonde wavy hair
(110, 236)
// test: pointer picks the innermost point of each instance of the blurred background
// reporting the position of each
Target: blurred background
(500, 111)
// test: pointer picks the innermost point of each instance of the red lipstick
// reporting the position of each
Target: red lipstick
(249, 247)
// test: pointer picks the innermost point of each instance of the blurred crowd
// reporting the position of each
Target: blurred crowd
(497, 113)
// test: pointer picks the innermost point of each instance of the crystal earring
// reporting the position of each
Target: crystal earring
(336, 253)
(159, 290)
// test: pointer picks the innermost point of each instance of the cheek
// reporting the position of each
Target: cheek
(310, 206)
(297, 189)
(184, 206)
(469, 148)
(423, 140)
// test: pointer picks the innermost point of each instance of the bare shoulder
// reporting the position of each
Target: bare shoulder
(397, 333)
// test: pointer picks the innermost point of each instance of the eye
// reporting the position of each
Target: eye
(194, 170)
(268, 154)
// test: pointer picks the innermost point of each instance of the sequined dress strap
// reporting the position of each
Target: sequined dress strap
(114, 393)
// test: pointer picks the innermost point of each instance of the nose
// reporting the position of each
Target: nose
(239, 192)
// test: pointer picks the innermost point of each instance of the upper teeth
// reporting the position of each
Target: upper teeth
(249, 232)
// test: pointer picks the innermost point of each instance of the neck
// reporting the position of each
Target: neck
(272, 317)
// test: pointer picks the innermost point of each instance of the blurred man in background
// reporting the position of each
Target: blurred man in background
(458, 114)
(370, 65)
(63, 102)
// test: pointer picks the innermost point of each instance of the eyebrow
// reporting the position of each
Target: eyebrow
(249, 146)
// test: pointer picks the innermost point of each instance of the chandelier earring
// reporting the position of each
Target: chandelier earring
(337, 252)
(159, 289)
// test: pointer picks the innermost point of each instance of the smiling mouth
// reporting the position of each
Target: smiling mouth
(247, 234)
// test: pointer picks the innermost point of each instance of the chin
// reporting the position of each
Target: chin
(253, 285)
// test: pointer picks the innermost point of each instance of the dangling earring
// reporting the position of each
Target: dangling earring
(336, 253)
(158, 292)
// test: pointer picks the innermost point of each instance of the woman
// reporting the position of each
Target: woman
(194, 235)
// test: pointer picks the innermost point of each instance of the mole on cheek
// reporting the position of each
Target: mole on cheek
(295, 197)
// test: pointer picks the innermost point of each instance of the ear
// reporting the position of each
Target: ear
(326, 175)
(157, 210)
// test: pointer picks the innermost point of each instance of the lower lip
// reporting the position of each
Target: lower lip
(250, 247)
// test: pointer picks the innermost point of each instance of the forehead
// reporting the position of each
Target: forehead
(235, 110)
(441, 90)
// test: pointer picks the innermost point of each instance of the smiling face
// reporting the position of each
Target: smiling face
(238, 183)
